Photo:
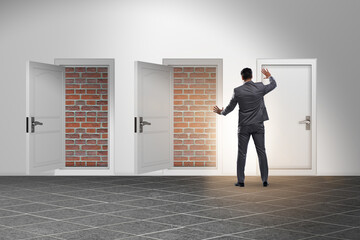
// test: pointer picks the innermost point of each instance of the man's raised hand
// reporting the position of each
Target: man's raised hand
(266, 72)
(217, 110)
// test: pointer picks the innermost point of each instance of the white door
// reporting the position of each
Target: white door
(153, 117)
(45, 102)
(290, 132)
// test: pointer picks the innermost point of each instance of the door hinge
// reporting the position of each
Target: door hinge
(135, 124)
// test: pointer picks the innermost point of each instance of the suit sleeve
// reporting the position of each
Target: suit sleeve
(231, 105)
(269, 87)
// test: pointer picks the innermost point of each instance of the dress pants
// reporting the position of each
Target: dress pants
(257, 131)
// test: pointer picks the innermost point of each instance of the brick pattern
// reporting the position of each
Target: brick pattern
(194, 121)
(86, 116)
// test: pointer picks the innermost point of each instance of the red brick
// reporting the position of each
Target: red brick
(180, 75)
(199, 85)
(102, 69)
(199, 69)
(210, 69)
(199, 75)
(72, 75)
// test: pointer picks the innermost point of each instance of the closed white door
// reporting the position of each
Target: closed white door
(290, 132)
(45, 96)
(153, 117)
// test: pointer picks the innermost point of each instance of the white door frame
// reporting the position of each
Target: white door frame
(110, 63)
(307, 62)
(214, 62)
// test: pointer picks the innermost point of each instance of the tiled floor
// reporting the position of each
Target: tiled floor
(183, 207)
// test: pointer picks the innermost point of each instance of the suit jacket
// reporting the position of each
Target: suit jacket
(250, 97)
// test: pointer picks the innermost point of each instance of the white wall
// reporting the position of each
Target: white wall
(237, 31)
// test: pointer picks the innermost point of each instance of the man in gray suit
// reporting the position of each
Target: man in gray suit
(252, 114)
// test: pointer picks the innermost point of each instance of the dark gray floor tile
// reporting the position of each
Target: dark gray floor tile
(181, 220)
(329, 207)
(340, 219)
(93, 234)
(139, 227)
(74, 202)
(182, 233)
(278, 193)
(53, 227)
(216, 193)
(350, 202)
(182, 197)
(121, 189)
(98, 220)
(20, 193)
(273, 233)
(181, 207)
(6, 213)
(83, 193)
(46, 198)
(256, 207)
(23, 219)
(249, 197)
(287, 202)
(341, 193)
(313, 227)
(106, 208)
(145, 202)
(11, 202)
(110, 197)
(224, 226)
(142, 213)
(58, 189)
(265, 220)
(221, 213)
(299, 213)
(352, 234)
(11, 234)
(32, 207)
(152, 193)
(63, 213)
(353, 213)
(216, 202)
(230, 237)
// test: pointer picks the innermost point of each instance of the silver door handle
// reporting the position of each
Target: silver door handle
(142, 124)
(34, 123)
(307, 121)
(304, 122)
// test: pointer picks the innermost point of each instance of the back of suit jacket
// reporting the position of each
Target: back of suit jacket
(250, 98)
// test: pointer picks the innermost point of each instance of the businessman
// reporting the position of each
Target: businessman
(252, 114)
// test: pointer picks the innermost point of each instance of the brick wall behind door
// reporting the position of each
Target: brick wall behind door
(194, 121)
(86, 116)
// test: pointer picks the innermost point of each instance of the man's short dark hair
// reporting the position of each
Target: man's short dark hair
(246, 73)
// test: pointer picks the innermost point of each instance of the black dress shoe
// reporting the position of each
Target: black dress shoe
(265, 184)
(240, 184)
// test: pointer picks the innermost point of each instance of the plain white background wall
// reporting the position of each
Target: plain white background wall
(237, 31)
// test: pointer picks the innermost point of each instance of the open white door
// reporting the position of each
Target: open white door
(45, 103)
(153, 117)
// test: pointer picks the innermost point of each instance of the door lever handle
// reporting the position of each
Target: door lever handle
(34, 123)
(304, 122)
(143, 123)
(307, 121)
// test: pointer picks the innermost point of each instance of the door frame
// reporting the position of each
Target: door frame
(292, 61)
(110, 63)
(213, 62)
